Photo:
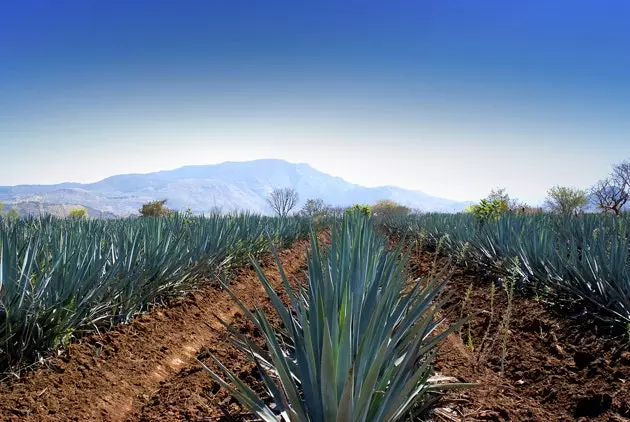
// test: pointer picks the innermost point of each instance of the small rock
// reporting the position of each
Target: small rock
(558, 349)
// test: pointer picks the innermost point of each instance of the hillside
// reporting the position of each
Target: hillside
(228, 186)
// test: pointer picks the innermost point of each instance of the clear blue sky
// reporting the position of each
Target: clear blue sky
(450, 97)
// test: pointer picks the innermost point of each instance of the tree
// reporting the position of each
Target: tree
(386, 208)
(1, 207)
(508, 204)
(78, 213)
(155, 209)
(609, 195)
(487, 210)
(566, 200)
(613, 192)
(622, 172)
(314, 208)
(13, 214)
(282, 201)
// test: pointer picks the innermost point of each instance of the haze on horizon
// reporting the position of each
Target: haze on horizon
(448, 97)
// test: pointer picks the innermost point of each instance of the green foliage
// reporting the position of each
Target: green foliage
(155, 209)
(565, 200)
(488, 210)
(78, 213)
(63, 276)
(386, 208)
(13, 214)
(353, 346)
(359, 209)
(313, 208)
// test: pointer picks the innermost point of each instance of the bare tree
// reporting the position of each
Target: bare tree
(282, 201)
(621, 172)
(612, 193)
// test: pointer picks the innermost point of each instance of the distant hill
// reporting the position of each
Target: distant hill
(227, 186)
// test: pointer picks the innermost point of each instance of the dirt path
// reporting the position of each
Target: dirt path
(113, 377)
(555, 367)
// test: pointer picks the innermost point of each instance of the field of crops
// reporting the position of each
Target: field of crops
(581, 262)
(63, 277)
(522, 318)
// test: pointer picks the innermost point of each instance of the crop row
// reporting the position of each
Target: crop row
(62, 277)
(580, 260)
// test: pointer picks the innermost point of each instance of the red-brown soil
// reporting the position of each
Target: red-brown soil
(132, 372)
(555, 368)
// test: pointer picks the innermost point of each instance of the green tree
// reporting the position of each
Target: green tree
(13, 214)
(487, 209)
(314, 208)
(78, 213)
(387, 208)
(155, 209)
(566, 200)
(1, 207)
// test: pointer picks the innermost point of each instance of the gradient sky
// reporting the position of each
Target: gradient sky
(449, 97)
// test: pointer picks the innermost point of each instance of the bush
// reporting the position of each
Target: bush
(78, 213)
(487, 210)
(155, 209)
(388, 208)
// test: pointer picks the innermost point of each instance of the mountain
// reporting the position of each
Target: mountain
(227, 186)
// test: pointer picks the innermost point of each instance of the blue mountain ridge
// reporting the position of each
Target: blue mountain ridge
(227, 186)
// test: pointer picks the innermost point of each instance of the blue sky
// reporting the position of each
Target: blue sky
(449, 97)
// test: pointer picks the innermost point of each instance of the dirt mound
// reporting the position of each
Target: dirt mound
(111, 377)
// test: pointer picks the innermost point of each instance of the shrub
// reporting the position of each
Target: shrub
(487, 210)
(388, 208)
(78, 213)
(155, 209)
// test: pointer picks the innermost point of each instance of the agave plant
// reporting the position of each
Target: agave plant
(353, 347)
(572, 259)
(60, 277)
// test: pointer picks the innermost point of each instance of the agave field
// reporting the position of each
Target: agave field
(240, 318)
(63, 277)
(581, 261)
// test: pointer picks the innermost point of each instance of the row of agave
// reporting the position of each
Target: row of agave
(62, 277)
(581, 259)
(353, 345)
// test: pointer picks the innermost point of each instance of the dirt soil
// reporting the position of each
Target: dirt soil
(554, 368)
(147, 370)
